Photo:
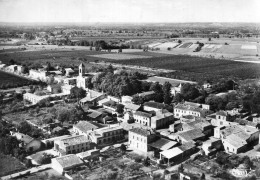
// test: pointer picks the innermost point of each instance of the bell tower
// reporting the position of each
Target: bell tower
(81, 69)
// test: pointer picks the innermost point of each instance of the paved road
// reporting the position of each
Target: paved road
(32, 170)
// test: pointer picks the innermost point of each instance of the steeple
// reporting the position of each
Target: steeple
(81, 69)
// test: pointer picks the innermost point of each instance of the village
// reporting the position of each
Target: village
(73, 124)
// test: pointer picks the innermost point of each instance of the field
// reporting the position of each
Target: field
(120, 56)
(196, 67)
(9, 80)
(9, 165)
(185, 45)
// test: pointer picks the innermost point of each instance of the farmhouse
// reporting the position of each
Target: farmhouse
(155, 106)
(72, 145)
(30, 144)
(38, 74)
(139, 139)
(66, 163)
(107, 135)
(85, 127)
(188, 108)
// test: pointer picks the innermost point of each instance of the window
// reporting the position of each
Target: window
(133, 137)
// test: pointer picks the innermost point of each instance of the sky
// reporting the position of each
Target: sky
(129, 11)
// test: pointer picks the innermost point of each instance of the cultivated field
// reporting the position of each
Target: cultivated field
(120, 56)
(9, 165)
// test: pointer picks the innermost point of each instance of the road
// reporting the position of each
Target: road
(32, 170)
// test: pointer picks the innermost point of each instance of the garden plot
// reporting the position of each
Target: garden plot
(120, 56)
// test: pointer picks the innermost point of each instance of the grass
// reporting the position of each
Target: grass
(120, 56)
(9, 165)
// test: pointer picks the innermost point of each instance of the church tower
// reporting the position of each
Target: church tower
(81, 69)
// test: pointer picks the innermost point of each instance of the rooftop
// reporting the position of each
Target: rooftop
(186, 146)
(144, 114)
(170, 153)
(88, 153)
(146, 93)
(234, 140)
(69, 160)
(140, 131)
(131, 106)
(163, 144)
(86, 126)
(156, 105)
(188, 107)
(74, 140)
(191, 134)
(94, 114)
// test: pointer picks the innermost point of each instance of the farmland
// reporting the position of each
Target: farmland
(120, 56)
(8, 80)
(9, 165)
(195, 68)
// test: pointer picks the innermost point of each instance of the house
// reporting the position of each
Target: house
(155, 106)
(27, 142)
(38, 74)
(237, 138)
(201, 124)
(176, 83)
(193, 134)
(85, 127)
(92, 98)
(132, 107)
(178, 154)
(90, 154)
(126, 99)
(194, 109)
(72, 145)
(139, 139)
(66, 88)
(107, 135)
(94, 115)
(221, 118)
(111, 106)
(172, 155)
(143, 118)
(65, 163)
(147, 96)
(68, 71)
(161, 144)
(161, 120)
(70, 81)
(54, 88)
(211, 146)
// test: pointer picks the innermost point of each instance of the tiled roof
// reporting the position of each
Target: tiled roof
(69, 160)
(74, 140)
(140, 131)
(159, 116)
(192, 134)
(234, 140)
(88, 153)
(132, 106)
(94, 114)
(144, 114)
(163, 144)
(189, 107)
(86, 126)
(186, 146)
(222, 113)
(155, 105)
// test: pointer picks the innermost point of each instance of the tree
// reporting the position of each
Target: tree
(180, 168)
(138, 100)
(63, 115)
(24, 127)
(202, 177)
(146, 161)
(89, 83)
(120, 108)
(78, 93)
(167, 92)
(123, 148)
(189, 92)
